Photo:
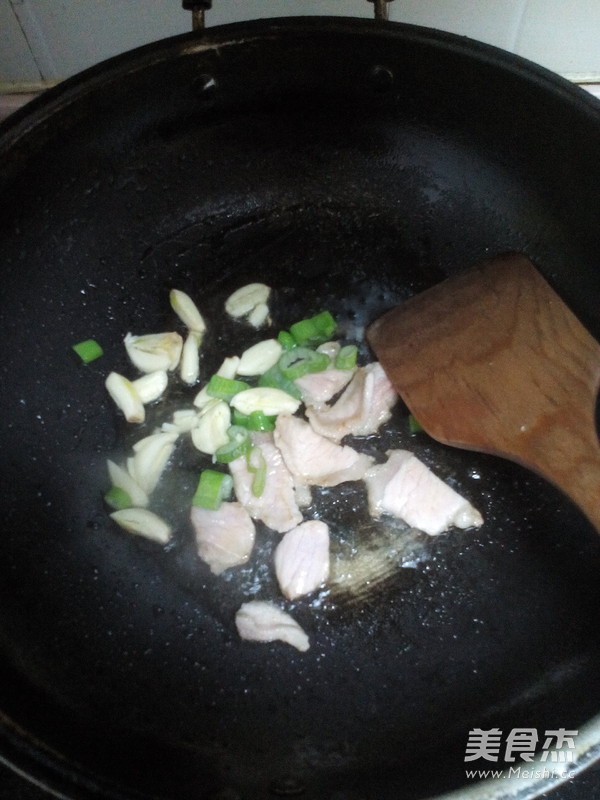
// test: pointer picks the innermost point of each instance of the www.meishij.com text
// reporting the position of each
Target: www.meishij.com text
(520, 771)
(517, 750)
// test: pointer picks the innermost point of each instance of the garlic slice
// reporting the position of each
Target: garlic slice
(184, 420)
(249, 301)
(150, 458)
(189, 367)
(203, 398)
(270, 401)
(151, 385)
(211, 431)
(228, 369)
(144, 523)
(260, 357)
(259, 315)
(123, 480)
(187, 311)
(125, 395)
(154, 351)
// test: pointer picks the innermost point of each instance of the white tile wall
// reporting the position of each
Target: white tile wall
(571, 28)
(496, 23)
(44, 41)
(16, 59)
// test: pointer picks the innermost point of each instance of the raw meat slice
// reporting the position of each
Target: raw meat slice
(318, 388)
(261, 621)
(407, 489)
(225, 537)
(313, 459)
(302, 559)
(363, 407)
(277, 506)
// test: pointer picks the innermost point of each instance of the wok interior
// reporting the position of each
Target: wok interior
(301, 167)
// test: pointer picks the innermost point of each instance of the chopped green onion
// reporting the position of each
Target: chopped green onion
(300, 361)
(238, 445)
(274, 379)
(118, 498)
(414, 426)
(258, 467)
(286, 340)
(225, 388)
(88, 350)
(213, 488)
(255, 421)
(315, 330)
(325, 323)
(346, 358)
(237, 418)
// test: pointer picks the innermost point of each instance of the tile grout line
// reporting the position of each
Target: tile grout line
(35, 38)
(518, 26)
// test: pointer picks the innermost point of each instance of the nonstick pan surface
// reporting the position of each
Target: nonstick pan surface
(348, 165)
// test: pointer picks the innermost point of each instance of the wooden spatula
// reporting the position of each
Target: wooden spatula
(493, 360)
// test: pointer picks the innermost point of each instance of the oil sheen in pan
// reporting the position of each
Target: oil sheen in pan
(368, 557)
(375, 563)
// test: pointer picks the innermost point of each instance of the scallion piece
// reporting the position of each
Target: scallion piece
(274, 379)
(286, 340)
(225, 388)
(300, 361)
(117, 498)
(238, 445)
(258, 467)
(255, 421)
(414, 426)
(314, 330)
(213, 488)
(259, 421)
(237, 418)
(346, 358)
(88, 350)
(325, 324)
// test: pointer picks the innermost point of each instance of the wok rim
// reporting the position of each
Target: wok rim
(35, 760)
(50, 771)
(68, 91)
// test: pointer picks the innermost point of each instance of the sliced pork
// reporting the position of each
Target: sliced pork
(313, 459)
(365, 404)
(302, 559)
(261, 621)
(407, 489)
(277, 506)
(317, 388)
(225, 537)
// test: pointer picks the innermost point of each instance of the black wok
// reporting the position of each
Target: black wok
(348, 165)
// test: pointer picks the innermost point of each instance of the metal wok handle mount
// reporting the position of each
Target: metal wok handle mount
(380, 8)
(200, 7)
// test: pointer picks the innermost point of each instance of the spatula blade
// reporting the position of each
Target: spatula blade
(493, 360)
